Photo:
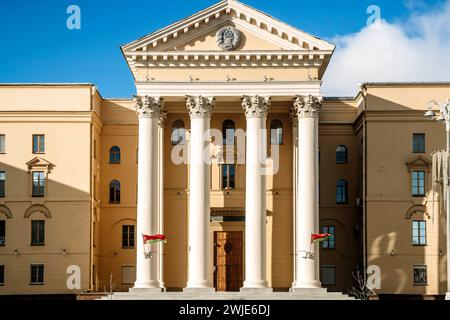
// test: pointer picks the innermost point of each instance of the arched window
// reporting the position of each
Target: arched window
(341, 192)
(114, 155)
(178, 132)
(276, 132)
(228, 132)
(114, 191)
(341, 154)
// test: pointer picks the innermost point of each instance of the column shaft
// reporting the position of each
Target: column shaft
(256, 109)
(199, 184)
(307, 215)
(162, 124)
(147, 206)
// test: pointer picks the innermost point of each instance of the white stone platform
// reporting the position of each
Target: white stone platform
(304, 294)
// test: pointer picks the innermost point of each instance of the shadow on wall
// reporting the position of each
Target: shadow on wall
(66, 212)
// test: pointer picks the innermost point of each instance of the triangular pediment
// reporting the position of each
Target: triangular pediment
(193, 41)
(419, 162)
(39, 162)
(255, 22)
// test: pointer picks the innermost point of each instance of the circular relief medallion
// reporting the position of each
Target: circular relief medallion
(228, 38)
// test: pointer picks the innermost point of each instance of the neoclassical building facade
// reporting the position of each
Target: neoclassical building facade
(230, 151)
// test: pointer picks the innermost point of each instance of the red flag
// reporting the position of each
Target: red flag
(320, 237)
(154, 238)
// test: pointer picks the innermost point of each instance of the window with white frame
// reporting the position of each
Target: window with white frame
(419, 232)
(38, 184)
(418, 183)
(38, 143)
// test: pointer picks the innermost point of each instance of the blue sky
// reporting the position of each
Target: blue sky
(38, 47)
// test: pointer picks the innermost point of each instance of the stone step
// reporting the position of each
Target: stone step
(304, 294)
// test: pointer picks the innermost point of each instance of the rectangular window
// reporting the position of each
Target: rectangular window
(2, 143)
(228, 176)
(2, 275)
(418, 183)
(2, 184)
(418, 143)
(38, 184)
(128, 274)
(419, 233)
(127, 236)
(38, 143)
(420, 275)
(330, 242)
(37, 274)
(37, 232)
(328, 275)
(2, 232)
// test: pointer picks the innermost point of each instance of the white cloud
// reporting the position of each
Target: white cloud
(417, 50)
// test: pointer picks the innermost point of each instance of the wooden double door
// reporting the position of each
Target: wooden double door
(228, 256)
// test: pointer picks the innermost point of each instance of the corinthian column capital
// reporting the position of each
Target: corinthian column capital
(148, 107)
(199, 106)
(255, 106)
(307, 106)
(293, 116)
(162, 120)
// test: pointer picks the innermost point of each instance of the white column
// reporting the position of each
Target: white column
(307, 201)
(148, 109)
(256, 109)
(293, 119)
(200, 109)
(162, 124)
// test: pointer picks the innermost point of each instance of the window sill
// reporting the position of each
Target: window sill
(128, 248)
(35, 196)
(419, 245)
(114, 163)
(36, 284)
(114, 203)
(37, 244)
(418, 195)
(420, 284)
(38, 152)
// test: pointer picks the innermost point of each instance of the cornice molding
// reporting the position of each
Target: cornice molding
(228, 89)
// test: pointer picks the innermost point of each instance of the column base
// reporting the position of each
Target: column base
(144, 291)
(256, 290)
(306, 284)
(258, 284)
(200, 291)
(151, 284)
(447, 296)
(307, 291)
